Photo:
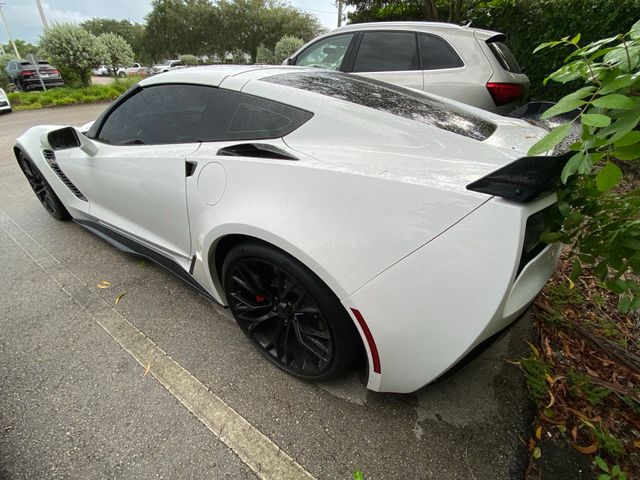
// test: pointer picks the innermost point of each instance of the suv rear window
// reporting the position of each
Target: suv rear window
(389, 98)
(505, 57)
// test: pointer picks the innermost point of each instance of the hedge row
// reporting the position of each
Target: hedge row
(528, 23)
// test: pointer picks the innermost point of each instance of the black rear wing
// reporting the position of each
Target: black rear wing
(529, 178)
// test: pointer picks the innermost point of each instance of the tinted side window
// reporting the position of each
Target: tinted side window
(327, 53)
(167, 114)
(436, 54)
(387, 52)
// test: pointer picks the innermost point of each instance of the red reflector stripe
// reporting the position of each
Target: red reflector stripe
(372, 344)
(503, 93)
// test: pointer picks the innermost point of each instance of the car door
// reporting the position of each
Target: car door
(135, 184)
(390, 56)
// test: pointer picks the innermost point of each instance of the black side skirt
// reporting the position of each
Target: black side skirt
(127, 245)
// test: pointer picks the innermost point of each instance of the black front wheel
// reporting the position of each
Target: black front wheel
(288, 313)
(42, 189)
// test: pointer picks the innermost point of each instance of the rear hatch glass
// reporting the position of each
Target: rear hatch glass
(504, 56)
(389, 98)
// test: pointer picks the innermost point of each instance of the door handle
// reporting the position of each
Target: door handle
(190, 167)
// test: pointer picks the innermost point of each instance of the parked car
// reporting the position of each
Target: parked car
(335, 215)
(166, 66)
(107, 70)
(134, 69)
(469, 65)
(25, 76)
(5, 105)
(101, 71)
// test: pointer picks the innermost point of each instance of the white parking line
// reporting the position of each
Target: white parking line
(255, 449)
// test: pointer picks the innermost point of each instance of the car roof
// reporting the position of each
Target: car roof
(213, 75)
(415, 26)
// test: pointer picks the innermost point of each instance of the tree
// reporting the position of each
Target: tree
(119, 52)
(132, 32)
(286, 47)
(73, 50)
(24, 49)
(189, 60)
(601, 222)
(250, 23)
(175, 26)
(387, 10)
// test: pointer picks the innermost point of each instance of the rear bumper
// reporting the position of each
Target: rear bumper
(431, 308)
(34, 83)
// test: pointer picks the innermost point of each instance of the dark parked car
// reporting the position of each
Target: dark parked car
(25, 77)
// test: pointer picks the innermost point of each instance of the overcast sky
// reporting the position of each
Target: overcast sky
(24, 21)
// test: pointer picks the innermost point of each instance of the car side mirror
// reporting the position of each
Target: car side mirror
(70, 137)
(290, 61)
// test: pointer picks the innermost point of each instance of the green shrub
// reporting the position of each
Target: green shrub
(600, 220)
(286, 47)
(56, 97)
(74, 51)
(190, 60)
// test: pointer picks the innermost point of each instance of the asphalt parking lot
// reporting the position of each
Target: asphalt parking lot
(79, 400)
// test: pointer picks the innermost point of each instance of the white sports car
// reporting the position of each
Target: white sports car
(336, 216)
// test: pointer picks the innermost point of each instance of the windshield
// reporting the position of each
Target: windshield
(389, 98)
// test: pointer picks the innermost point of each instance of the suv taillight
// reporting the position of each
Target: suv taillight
(27, 73)
(503, 93)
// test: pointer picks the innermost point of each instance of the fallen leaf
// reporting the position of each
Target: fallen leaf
(142, 264)
(636, 443)
(551, 401)
(586, 450)
(571, 284)
(119, 297)
(539, 432)
(103, 284)
(537, 453)
(146, 369)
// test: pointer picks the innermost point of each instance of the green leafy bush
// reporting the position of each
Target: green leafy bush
(264, 55)
(600, 218)
(190, 60)
(5, 81)
(56, 97)
(73, 50)
(286, 47)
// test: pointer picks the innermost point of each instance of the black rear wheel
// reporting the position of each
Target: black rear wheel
(42, 189)
(288, 313)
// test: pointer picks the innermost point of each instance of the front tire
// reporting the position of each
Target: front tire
(288, 313)
(42, 189)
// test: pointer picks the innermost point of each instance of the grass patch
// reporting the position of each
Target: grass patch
(58, 97)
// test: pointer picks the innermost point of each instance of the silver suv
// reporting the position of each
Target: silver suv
(469, 65)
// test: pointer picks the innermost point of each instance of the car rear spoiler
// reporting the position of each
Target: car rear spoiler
(529, 178)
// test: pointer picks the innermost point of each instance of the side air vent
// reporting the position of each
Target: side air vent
(256, 150)
(50, 157)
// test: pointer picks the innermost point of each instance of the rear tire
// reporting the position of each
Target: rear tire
(42, 189)
(291, 317)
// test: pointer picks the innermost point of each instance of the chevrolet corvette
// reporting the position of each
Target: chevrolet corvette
(336, 216)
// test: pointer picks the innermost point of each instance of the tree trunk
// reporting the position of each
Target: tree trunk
(430, 10)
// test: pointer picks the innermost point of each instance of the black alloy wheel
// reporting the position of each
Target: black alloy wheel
(42, 189)
(288, 313)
